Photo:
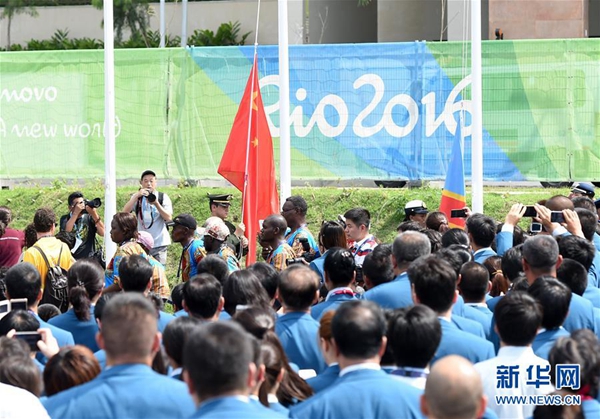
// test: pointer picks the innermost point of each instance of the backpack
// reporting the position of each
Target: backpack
(55, 284)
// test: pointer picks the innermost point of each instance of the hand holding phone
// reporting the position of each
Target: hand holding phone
(30, 338)
(557, 217)
(535, 228)
(458, 213)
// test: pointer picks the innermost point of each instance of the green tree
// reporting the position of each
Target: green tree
(132, 14)
(16, 7)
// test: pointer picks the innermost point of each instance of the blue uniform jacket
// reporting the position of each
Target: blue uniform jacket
(592, 294)
(84, 332)
(124, 391)
(469, 326)
(63, 337)
(317, 265)
(457, 342)
(298, 333)
(581, 314)
(395, 294)
(481, 315)
(362, 394)
(325, 379)
(234, 407)
(544, 341)
(481, 255)
(332, 303)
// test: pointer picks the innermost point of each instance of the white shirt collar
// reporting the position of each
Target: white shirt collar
(358, 367)
(175, 372)
(476, 304)
(514, 351)
(272, 398)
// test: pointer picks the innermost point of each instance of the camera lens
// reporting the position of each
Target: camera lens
(151, 197)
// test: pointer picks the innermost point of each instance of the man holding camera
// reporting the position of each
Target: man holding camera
(153, 210)
(84, 222)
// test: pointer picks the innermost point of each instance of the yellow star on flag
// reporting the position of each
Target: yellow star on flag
(254, 96)
(255, 142)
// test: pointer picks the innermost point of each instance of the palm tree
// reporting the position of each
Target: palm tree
(16, 7)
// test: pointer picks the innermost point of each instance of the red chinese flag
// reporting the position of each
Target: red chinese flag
(248, 157)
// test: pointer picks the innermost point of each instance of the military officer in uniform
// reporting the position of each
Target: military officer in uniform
(219, 207)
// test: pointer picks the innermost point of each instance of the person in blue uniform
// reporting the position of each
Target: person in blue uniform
(219, 369)
(434, 285)
(173, 340)
(583, 349)
(454, 390)
(332, 234)
(85, 281)
(339, 276)
(407, 247)
(136, 276)
(203, 297)
(474, 285)
(129, 387)
(482, 232)
(332, 372)
(554, 297)
(541, 258)
(296, 329)
(363, 390)
(24, 281)
(414, 335)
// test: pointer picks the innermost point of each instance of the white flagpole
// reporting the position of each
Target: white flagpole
(110, 184)
(162, 23)
(285, 169)
(477, 115)
(250, 113)
(184, 5)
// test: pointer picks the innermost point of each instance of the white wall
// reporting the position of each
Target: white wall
(85, 21)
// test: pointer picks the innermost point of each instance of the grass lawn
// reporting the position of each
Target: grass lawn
(386, 205)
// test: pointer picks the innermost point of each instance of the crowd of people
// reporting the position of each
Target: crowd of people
(488, 321)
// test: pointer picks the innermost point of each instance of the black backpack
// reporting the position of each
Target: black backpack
(55, 284)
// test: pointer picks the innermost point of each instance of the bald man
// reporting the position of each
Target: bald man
(272, 239)
(453, 390)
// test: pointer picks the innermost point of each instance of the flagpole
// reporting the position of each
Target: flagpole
(285, 170)
(248, 139)
(477, 114)
(110, 184)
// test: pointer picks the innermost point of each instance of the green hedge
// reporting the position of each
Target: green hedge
(386, 205)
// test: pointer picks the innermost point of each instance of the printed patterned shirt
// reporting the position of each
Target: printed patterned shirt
(278, 257)
(191, 255)
(362, 248)
(229, 256)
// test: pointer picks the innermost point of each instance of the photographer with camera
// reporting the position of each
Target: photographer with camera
(84, 222)
(153, 210)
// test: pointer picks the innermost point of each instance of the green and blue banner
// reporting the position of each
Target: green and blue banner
(370, 111)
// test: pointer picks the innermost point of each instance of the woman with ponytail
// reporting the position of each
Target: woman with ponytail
(283, 387)
(85, 281)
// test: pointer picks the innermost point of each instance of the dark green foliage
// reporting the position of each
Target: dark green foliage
(227, 35)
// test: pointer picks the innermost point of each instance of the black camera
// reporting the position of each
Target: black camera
(306, 256)
(94, 203)
(359, 275)
(151, 197)
(294, 260)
